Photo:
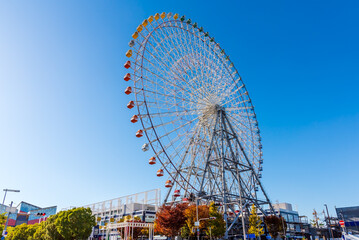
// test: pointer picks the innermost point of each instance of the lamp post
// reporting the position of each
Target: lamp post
(7, 221)
(330, 225)
(197, 223)
(8, 190)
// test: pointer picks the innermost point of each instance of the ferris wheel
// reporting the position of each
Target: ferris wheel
(195, 113)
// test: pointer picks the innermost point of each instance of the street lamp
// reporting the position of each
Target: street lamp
(3, 201)
(330, 225)
(7, 221)
(8, 190)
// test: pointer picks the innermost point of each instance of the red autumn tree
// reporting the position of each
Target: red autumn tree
(170, 219)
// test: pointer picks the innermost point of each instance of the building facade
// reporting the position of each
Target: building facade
(27, 213)
(350, 216)
(143, 205)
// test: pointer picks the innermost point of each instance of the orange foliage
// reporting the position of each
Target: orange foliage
(170, 219)
(191, 216)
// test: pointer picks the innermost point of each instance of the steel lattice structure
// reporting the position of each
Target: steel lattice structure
(196, 114)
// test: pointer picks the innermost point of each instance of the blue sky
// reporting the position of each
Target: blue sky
(65, 135)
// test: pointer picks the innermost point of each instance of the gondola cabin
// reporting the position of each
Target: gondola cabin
(168, 184)
(127, 64)
(139, 133)
(131, 104)
(152, 161)
(176, 193)
(160, 173)
(128, 90)
(127, 77)
(134, 118)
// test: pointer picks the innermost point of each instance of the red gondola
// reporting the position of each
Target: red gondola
(152, 160)
(168, 184)
(131, 104)
(128, 90)
(127, 77)
(160, 173)
(139, 133)
(127, 64)
(134, 118)
(176, 193)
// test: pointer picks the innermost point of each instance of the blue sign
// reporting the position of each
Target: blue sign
(251, 235)
(268, 237)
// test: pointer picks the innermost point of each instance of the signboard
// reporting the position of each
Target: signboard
(251, 235)
(342, 223)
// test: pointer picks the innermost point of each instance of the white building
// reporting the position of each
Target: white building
(143, 205)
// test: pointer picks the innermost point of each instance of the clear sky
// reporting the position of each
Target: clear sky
(65, 135)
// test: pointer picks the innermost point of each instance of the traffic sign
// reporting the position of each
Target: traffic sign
(342, 223)
(196, 224)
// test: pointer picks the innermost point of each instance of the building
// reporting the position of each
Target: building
(297, 226)
(27, 213)
(350, 216)
(143, 205)
(294, 222)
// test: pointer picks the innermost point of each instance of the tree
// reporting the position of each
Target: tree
(216, 227)
(50, 231)
(273, 224)
(255, 223)
(75, 224)
(41, 231)
(22, 232)
(170, 219)
(191, 217)
(2, 222)
(185, 232)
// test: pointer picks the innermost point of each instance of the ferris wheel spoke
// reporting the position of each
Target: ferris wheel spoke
(165, 95)
(193, 168)
(166, 54)
(159, 70)
(239, 122)
(173, 130)
(171, 113)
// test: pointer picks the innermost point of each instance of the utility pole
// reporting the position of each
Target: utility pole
(330, 225)
(7, 221)
(8, 190)
(315, 218)
(197, 202)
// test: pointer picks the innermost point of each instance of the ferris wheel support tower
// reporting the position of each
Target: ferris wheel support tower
(225, 157)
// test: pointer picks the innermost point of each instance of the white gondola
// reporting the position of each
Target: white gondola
(145, 147)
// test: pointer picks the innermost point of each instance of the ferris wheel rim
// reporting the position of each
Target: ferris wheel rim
(150, 118)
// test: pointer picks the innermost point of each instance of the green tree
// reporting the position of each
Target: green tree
(2, 222)
(255, 223)
(185, 232)
(216, 227)
(41, 231)
(75, 224)
(22, 232)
